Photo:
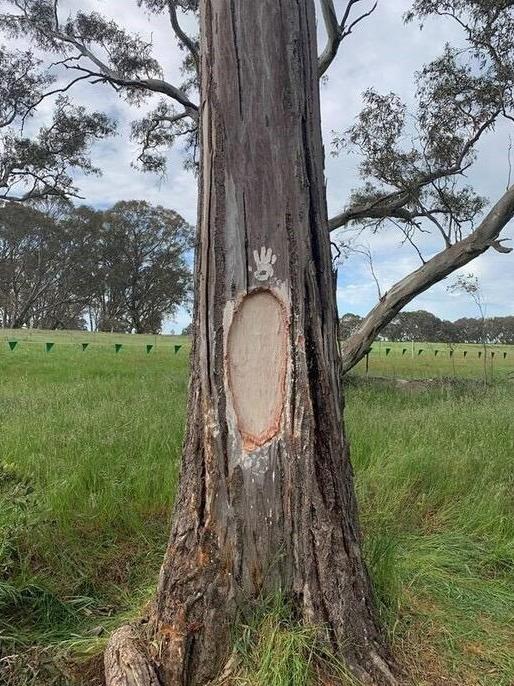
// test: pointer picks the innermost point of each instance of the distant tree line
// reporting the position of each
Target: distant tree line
(422, 326)
(123, 269)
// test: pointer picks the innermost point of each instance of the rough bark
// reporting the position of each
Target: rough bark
(266, 499)
(435, 270)
(127, 660)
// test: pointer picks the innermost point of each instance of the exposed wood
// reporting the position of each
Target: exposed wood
(256, 366)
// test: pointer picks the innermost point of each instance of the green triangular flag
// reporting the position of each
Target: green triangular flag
(118, 347)
(420, 351)
(177, 348)
(388, 350)
(84, 346)
(49, 346)
(435, 353)
(13, 344)
(149, 348)
(404, 351)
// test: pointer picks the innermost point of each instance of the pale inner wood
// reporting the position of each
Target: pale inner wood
(256, 358)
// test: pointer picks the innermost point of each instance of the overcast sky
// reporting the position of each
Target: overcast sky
(382, 53)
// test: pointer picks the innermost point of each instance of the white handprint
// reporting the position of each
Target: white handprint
(264, 262)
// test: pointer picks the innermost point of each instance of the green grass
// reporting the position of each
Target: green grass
(435, 361)
(435, 480)
(89, 452)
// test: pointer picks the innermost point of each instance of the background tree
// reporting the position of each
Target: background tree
(420, 326)
(424, 326)
(348, 324)
(499, 330)
(469, 284)
(420, 185)
(144, 271)
(120, 270)
(35, 262)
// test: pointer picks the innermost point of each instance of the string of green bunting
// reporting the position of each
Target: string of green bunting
(118, 347)
(49, 345)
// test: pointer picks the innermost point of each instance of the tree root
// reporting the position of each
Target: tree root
(127, 659)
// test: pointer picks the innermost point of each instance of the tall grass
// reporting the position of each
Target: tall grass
(89, 453)
(90, 449)
(435, 480)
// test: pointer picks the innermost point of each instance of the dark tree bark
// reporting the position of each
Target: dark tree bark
(266, 498)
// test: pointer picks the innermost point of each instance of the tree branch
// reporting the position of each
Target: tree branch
(106, 73)
(337, 32)
(152, 84)
(333, 36)
(436, 269)
(182, 35)
(393, 205)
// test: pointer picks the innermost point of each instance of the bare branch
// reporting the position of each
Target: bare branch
(347, 31)
(337, 31)
(182, 35)
(407, 232)
(365, 251)
(333, 35)
(436, 269)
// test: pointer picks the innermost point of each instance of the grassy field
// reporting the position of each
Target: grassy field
(436, 360)
(89, 452)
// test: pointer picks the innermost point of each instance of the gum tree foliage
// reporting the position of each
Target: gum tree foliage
(406, 187)
(420, 326)
(120, 270)
(38, 166)
(143, 274)
(498, 330)
(37, 259)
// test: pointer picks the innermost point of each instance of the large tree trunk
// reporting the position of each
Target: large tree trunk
(266, 497)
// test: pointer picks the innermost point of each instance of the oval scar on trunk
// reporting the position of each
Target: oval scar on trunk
(256, 365)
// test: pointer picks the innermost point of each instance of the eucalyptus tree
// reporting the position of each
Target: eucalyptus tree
(125, 268)
(266, 498)
(37, 264)
(142, 262)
